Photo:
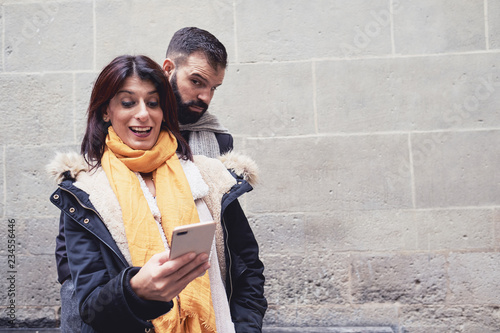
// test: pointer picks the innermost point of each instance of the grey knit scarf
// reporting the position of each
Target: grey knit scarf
(202, 138)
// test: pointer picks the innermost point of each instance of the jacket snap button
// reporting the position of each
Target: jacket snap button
(71, 210)
(86, 221)
(56, 196)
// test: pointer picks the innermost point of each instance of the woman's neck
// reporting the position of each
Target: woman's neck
(148, 179)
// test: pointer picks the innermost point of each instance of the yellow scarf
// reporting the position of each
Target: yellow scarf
(193, 310)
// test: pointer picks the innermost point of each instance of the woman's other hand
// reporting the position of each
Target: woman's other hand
(161, 279)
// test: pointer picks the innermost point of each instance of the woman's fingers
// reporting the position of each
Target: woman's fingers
(163, 279)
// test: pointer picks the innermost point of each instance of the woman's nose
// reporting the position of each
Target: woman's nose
(142, 111)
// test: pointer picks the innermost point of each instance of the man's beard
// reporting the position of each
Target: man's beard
(185, 115)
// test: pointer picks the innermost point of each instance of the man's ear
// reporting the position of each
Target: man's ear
(168, 66)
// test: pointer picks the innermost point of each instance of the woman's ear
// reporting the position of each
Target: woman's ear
(105, 115)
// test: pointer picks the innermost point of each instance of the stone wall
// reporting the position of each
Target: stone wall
(375, 124)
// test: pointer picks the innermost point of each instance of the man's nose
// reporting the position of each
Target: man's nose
(206, 95)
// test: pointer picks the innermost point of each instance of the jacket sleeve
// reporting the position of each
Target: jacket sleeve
(245, 283)
(106, 300)
(61, 255)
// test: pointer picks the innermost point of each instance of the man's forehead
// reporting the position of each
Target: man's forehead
(197, 64)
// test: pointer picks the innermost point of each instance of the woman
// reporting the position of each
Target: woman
(120, 201)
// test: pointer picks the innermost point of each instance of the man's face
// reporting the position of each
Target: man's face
(194, 84)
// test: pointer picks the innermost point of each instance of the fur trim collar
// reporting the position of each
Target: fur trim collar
(69, 165)
(242, 165)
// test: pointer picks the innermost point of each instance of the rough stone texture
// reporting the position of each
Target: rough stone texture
(375, 125)
(33, 316)
(443, 26)
(453, 319)
(317, 278)
(2, 182)
(52, 35)
(28, 183)
(319, 315)
(445, 176)
(42, 103)
(496, 214)
(494, 24)
(474, 278)
(406, 279)
(145, 27)
(83, 88)
(382, 230)
(35, 281)
(328, 330)
(288, 105)
(335, 30)
(358, 172)
(420, 93)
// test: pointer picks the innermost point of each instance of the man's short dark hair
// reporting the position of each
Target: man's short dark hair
(188, 40)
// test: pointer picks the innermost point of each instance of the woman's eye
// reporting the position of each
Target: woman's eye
(127, 104)
(153, 104)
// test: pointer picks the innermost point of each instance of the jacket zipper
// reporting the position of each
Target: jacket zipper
(230, 261)
(99, 216)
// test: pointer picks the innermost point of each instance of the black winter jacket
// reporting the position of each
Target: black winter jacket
(102, 275)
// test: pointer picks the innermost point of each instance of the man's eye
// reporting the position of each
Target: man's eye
(196, 82)
(127, 104)
(214, 88)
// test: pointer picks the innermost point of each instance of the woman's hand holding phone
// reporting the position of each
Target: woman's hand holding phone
(161, 279)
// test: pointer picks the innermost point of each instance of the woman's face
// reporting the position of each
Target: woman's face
(135, 113)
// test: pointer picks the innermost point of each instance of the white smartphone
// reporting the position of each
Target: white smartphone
(196, 237)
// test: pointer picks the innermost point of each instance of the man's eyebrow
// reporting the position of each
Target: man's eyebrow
(200, 76)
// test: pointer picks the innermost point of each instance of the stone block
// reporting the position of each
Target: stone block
(399, 230)
(48, 36)
(250, 103)
(84, 82)
(36, 109)
(340, 173)
(450, 319)
(280, 30)
(329, 329)
(2, 182)
(318, 278)
(2, 44)
(145, 27)
(408, 94)
(34, 281)
(496, 216)
(280, 234)
(28, 184)
(407, 279)
(28, 318)
(494, 24)
(442, 26)
(456, 168)
(300, 316)
(474, 278)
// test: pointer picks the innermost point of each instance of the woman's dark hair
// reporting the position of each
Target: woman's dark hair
(108, 83)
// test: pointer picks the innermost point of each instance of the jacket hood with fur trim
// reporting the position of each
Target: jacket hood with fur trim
(69, 165)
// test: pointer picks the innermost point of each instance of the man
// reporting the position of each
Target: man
(195, 64)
